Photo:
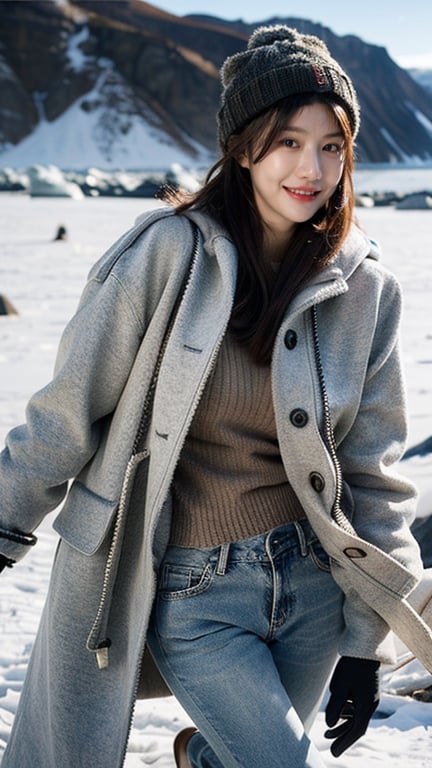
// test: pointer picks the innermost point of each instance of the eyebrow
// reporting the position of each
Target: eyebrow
(295, 129)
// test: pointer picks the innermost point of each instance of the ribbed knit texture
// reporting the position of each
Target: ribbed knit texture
(230, 483)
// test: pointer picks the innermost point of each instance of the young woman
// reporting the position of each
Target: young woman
(266, 531)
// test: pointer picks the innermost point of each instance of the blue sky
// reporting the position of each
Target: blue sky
(404, 27)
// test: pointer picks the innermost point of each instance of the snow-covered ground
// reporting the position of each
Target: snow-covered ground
(43, 279)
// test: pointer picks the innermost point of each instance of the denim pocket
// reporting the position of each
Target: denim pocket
(319, 556)
(180, 581)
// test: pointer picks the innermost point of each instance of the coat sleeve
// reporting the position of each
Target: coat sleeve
(64, 419)
(383, 500)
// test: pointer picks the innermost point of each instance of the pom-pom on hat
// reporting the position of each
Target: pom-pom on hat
(279, 62)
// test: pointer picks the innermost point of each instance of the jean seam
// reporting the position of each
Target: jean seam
(198, 589)
(319, 563)
(272, 623)
(301, 539)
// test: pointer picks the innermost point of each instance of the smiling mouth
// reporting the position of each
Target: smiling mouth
(310, 193)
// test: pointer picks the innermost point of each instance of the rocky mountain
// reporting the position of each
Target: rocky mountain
(121, 83)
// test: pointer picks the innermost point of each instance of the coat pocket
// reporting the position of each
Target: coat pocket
(84, 519)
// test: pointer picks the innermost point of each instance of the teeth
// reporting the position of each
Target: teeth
(302, 192)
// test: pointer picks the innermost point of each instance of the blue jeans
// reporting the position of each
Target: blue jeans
(246, 637)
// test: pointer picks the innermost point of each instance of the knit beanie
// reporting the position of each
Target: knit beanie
(279, 61)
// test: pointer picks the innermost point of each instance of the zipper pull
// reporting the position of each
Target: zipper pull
(102, 654)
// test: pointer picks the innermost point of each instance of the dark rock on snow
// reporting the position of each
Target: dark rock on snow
(6, 306)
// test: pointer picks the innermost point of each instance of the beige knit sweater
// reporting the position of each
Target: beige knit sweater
(230, 483)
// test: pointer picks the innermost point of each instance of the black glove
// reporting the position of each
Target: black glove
(354, 690)
(28, 539)
(5, 562)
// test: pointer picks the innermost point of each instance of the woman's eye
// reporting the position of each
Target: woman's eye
(333, 148)
(289, 143)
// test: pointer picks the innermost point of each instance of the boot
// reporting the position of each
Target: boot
(180, 746)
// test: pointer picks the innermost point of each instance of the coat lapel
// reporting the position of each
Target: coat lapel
(191, 351)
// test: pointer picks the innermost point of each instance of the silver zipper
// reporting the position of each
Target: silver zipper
(101, 647)
(337, 512)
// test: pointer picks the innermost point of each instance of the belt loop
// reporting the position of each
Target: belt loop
(302, 539)
(223, 560)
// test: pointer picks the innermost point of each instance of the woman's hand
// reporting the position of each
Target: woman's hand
(354, 690)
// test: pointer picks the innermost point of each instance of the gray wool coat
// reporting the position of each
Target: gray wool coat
(77, 701)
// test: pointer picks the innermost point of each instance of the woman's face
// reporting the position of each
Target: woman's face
(300, 171)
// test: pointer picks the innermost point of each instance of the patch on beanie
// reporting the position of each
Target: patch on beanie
(320, 75)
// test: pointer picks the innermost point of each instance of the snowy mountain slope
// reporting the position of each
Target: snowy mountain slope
(108, 127)
(122, 84)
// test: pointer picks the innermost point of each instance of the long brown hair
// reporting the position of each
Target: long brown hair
(261, 298)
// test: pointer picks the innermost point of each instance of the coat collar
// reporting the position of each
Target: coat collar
(331, 281)
(356, 248)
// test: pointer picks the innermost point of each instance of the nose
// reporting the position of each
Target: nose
(309, 165)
